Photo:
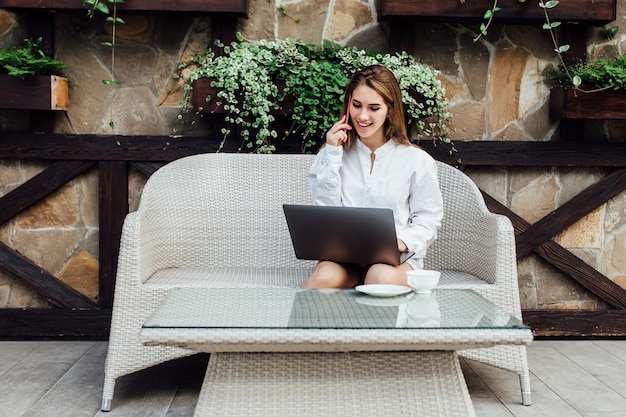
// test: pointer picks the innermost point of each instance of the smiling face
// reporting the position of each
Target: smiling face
(368, 112)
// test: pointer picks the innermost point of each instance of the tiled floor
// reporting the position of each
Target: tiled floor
(64, 378)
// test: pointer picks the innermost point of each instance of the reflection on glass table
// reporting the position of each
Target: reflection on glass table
(293, 308)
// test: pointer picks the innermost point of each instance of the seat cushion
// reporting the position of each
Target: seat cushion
(229, 277)
(461, 280)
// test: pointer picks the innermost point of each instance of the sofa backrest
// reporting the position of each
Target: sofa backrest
(225, 209)
(464, 213)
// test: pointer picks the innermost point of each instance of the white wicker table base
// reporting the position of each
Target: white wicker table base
(356, 384)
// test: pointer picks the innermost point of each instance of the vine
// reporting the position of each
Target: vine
(101, 7)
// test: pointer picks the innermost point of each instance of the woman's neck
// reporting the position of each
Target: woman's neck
(374, 142)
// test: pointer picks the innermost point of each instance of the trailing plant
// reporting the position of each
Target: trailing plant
(605, 74)
(101, 7)
(599, 74)
(247, 76)
(28, 60)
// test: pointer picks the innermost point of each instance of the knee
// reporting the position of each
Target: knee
(326, 275)
(380, 274)
(385, 274)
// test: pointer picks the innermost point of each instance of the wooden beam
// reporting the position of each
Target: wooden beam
(168, 148)
(238, 7)
(113, 205)
(574, 153)
(40, 186)
(147, 168)
(64, 323)
(566, 261)
(590, 11)
(39, 280)
(96, 323)
(576, 323)
(572, 211)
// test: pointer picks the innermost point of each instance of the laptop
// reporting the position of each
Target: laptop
(357, 235)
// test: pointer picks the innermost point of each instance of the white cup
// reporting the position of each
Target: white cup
(422, 280)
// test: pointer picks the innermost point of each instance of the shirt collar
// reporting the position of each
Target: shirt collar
(386, 147)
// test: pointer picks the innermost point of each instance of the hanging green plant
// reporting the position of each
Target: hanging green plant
(253, 79)
(29, 60)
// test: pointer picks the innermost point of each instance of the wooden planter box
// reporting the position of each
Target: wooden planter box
(596, 12)
(238, 7)
(566, 103)
(44, 92)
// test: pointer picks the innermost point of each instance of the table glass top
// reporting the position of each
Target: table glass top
(325, 309)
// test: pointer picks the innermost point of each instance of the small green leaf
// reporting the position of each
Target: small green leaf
(576, 80)
(102, 8)
(563, 48)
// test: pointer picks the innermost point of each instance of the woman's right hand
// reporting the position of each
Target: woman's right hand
(337, 134)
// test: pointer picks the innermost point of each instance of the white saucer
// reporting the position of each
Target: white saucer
(383, 290)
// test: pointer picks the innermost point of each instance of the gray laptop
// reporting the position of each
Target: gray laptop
(358, 235)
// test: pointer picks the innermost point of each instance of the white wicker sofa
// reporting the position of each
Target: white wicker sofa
(217, 220)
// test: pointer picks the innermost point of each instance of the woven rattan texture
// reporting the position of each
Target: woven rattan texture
(337, 384)
(223, 213)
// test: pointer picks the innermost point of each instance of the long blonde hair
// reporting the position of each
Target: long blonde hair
(381, 80)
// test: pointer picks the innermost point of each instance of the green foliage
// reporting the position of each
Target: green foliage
(29, 60)
(602, 74)
(246, 75)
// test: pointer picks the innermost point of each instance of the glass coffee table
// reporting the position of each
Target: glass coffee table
(295, 352)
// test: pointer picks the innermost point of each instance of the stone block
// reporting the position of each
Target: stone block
(49, 248)
(90, 198)
(263, 22)
(507, 73)
(86, 90)
(537, 124)
(588, 232)
(555, 288)
(615, 217)
(374, 38)
(132, 111)
(11, 35)
(346, 17)
(134, 62)
(81, 273)
(474, 58)
(14, 294)
(436, 45)
(536, 200)
(494, 181)
(527, 282)
(136, 27)
(468, 122)
(58, 210)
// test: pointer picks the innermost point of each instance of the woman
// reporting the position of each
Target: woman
(368, 161)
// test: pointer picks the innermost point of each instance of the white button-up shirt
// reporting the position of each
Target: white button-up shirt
(402, 178)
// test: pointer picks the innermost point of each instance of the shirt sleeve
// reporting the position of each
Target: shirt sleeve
(425, 210)
(324, 176)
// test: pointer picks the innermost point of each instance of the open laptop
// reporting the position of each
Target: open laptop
(344, 234)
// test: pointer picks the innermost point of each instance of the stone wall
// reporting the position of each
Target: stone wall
(494, 85)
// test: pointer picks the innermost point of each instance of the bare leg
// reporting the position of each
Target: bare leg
(327, 274)
(387, 274)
